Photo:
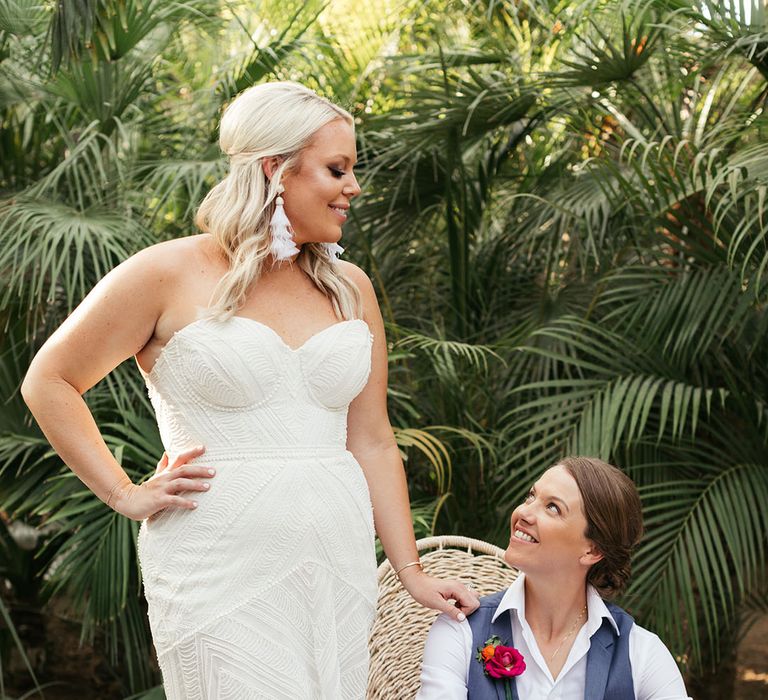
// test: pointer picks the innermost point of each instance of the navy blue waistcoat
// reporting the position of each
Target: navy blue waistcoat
(609, 671)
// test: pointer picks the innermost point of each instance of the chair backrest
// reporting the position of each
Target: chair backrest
(401, 626)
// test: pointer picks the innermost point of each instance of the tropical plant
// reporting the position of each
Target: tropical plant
(563, 217)
(596, 219)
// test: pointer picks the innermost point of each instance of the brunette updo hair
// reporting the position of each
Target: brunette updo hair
(614, 519)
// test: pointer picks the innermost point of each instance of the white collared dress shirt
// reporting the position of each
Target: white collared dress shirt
(448, 654)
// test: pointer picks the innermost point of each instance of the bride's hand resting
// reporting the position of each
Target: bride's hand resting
(447, 596)
(162, 490)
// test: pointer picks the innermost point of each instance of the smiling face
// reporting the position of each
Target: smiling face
(548, 529)
(318, 194)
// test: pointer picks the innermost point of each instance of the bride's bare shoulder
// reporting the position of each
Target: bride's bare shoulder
(169, 271)
(180, 253)
(177, 261)
(356, 274)
(363, 283)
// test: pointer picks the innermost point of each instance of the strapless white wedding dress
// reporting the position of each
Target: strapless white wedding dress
(267, 589)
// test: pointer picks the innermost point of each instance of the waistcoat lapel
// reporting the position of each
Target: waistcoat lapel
(480, 686)
(599, 659)
(609, 668)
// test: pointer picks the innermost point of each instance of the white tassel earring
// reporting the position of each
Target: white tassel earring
(333, 251)
(283, 246)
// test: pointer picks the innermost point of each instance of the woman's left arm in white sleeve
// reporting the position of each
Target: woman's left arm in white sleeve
(654, 671)
(446, 660)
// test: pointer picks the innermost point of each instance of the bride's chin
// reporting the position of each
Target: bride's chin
(331, 238)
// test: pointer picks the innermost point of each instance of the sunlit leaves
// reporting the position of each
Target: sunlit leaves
(22, 17)
(433, 449)
(176, 181)
(47, 246)
(610, 50)
(102, 90)
(741, 26)
(107, 31)
(266, 56)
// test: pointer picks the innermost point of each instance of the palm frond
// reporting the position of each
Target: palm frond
(184, 180)
(446, 352)
(425, 514)
(613, 50)
(702, 552)
(436, 453)
(104, 92)
(677, 313)
(108, 31)
(88, 172)
(600, 400)
(22, 17)
(270, 45)
(741, 26)
(47, 246)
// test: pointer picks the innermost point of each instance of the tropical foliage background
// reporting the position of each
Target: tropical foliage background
(564, 217)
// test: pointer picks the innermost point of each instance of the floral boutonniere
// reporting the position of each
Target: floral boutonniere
(500, 662)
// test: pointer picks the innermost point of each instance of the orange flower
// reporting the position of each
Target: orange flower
(488, 652)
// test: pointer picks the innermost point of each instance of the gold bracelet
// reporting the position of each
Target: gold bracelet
(410, 563)
(117, 488)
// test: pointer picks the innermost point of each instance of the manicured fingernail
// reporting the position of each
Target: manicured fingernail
(211, 471)
(194, 504)
(461, 617)
(206, 486)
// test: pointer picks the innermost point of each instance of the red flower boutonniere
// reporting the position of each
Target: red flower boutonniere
(500, 662)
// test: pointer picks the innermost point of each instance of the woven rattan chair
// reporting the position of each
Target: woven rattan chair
(401, 626)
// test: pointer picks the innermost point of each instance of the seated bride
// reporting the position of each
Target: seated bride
(552, 633)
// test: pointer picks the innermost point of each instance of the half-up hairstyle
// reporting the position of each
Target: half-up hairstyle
(614, 519)
(279, 120)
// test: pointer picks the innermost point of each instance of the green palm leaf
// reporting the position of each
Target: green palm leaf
(47, 247)
(703, 550)
(612, 51)
(445, 352)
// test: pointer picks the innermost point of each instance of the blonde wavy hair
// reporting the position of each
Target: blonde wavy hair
(277, 119)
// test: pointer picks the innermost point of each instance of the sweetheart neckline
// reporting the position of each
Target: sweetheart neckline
(149, 375)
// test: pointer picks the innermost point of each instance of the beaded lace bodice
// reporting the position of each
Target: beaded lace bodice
(222, 384)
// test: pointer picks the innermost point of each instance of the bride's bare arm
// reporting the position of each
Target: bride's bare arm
(371, 440)
(113, 322)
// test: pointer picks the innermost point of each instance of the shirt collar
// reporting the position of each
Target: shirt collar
(514, 599)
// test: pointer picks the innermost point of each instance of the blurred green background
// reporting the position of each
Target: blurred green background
(564, 218)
